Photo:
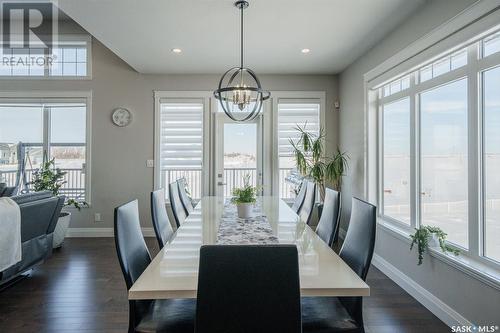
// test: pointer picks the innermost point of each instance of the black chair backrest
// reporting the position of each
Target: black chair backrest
(9, 191)
(306, 210)
(328, 225)
(186, 202)
(357, 250)
(161, 223)
(133, 253)
(299, 199)
(178, 210)
(245, 288)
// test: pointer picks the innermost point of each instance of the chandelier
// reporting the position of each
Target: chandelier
(240, 93)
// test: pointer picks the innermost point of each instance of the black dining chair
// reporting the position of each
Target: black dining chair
(299, 199)
(178, 210)
(174, 315)
(305, 212)
(248, 288)
(328, 224)
(345, 314)
(186, 202)
(161, 222)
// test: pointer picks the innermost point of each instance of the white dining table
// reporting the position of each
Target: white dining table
(173, 273)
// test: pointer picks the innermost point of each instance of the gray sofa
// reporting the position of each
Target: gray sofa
(39, 214)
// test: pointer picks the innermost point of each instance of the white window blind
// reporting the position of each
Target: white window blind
(291, 115)
(181, 144)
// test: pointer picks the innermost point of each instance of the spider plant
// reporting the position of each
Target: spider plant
(311, 161)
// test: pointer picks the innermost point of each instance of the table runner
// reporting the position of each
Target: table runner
(236, 231)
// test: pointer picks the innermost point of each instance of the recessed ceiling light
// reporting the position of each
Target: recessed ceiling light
(176, 50)
(305, 51)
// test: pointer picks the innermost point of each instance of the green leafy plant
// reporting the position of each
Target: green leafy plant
(421, 239)
(50, 178)
(245, 194)
(311, 161)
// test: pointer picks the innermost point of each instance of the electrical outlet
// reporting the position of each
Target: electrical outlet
(97, 217)
(150, 163)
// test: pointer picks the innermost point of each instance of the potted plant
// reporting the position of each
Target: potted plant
(244, 198)
(427, 236)
(312, 162)
(50, 178)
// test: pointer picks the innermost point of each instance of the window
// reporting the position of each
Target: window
(491, 160)
(396, 86)
(444, 65)
(439, 147)
(69, 59)
(181, 144)
(491, 45)
(28, 130)
(396, 147)
(443, 147)
(290, 115)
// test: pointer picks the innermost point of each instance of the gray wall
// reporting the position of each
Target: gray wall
(474, 300)
(119, 155)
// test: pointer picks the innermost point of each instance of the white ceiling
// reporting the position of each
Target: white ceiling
(143, 32)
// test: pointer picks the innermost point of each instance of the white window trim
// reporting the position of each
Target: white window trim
(473, 23)
(208, 100)
(41, 96)
(295, 96)
(62, 38)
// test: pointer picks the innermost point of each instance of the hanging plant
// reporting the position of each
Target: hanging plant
(421, 239)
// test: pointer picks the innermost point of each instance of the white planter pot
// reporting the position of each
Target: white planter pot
(61, 229)
(433, 241)
(245, 210)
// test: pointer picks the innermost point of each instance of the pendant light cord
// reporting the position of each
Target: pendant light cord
(242, 7)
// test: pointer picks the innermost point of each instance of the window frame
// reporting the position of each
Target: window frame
(46, 97)
(62, 40)
(380, 116)
(473, 71)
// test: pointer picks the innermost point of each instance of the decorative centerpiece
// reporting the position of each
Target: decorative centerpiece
(244, 198)
(50, 178)
(427, 236)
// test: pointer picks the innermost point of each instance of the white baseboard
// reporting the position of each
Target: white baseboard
(440, 309)
(102, 232)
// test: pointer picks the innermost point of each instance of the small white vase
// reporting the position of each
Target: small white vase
(245, 210)
(61, 229)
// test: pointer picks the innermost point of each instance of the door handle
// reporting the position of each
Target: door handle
(221, 184)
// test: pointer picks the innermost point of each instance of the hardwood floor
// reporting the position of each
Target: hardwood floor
(81, 289)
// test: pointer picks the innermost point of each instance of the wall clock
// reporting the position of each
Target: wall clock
(121, 117)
